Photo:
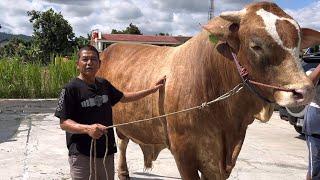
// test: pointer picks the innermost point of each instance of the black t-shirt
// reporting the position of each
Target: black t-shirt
(88, 104)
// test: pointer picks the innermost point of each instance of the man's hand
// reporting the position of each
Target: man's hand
(129, 97)
(315, 75)
(160, 83)
(97, 130)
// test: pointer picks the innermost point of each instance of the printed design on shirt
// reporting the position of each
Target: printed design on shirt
(98, 100)
(61, 100)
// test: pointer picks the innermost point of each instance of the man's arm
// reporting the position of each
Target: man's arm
(133, 96)
(315, 75)
(94, 130)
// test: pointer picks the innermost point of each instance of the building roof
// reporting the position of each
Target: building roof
(149, 39)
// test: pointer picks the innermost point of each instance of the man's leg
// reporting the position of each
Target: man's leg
(308, 177)
(79, 167)
(110, 167)
(108, 171)
(314, 156)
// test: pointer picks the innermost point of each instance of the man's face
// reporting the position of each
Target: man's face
(88, 63)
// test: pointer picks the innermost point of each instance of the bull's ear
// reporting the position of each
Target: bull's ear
(219, 28)
(233, 16)
(310, 38)
(224, 31)
(225, 24)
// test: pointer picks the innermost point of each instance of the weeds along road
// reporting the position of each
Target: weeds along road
(32, 146)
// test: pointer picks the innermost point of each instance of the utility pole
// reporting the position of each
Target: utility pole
(211, 10)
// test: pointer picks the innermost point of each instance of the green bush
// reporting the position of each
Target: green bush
(33, 80)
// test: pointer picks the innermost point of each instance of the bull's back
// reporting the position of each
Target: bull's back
(134, 67)
(120, 62)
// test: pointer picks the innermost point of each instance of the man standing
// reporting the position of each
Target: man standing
(311, 129)
(85, 110)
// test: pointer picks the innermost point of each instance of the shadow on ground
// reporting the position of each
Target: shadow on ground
(8, 127)
(153, 176)
(301, 137)
(14, 112)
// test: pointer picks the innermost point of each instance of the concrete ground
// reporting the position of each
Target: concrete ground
(32, 146)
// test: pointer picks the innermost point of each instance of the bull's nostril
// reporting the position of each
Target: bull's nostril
(299, 93)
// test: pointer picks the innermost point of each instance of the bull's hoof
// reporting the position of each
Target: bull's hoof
(124, 177)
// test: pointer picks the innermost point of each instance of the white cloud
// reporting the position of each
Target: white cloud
(124, 10)
(70, 2)
(14, 17)
(178, 17)
(181, 5)
(77, 10)
(308, 16)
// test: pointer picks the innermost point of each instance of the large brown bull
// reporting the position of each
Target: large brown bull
(266, 41)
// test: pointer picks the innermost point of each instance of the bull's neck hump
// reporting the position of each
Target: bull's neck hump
(200, 55)
(198, 60)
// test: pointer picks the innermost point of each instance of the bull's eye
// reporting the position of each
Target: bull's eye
(256, 48)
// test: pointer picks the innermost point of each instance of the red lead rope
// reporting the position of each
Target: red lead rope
(244, 74)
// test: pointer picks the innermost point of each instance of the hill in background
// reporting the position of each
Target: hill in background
(6, 37)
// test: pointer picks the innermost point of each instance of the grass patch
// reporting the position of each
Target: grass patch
(34, 80)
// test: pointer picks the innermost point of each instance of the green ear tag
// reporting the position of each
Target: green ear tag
(213, 39)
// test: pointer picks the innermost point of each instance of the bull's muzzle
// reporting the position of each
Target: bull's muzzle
(299, 96)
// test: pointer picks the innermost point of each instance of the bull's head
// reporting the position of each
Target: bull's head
(267, 42)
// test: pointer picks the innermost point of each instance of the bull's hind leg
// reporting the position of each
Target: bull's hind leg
(123, 172)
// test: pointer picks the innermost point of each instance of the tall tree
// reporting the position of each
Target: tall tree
(52, 34)
(131, 29)
(16, 48)
(163, 34)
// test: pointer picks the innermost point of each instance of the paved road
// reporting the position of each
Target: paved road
(32, 146)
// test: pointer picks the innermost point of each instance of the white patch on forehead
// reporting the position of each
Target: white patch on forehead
(269, 21)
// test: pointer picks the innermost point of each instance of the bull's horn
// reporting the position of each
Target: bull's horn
(233, 16)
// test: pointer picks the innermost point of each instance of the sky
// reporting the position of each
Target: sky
(176, 17)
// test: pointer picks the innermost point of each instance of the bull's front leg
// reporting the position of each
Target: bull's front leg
(123, 172)
(236, 151)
